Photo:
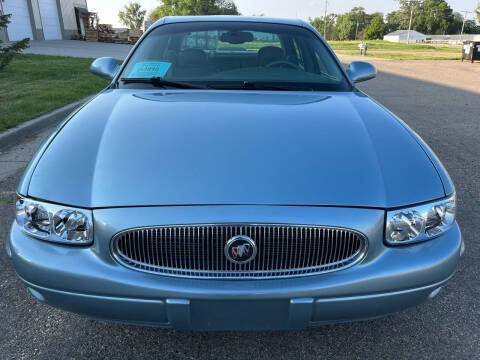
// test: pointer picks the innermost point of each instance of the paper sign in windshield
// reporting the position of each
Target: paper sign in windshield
(150, 69)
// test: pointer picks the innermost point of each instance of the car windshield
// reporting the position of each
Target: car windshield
(234, 55)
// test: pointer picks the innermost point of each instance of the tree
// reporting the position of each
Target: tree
(318, 23)
(429, 16)
(477, 12)
(376, 29)
(7, 53)
(345, 27)
(395, 21)
(360, 19)
(437, 16)
(193, 7)
(456, 25)
(132, 16)
(471, 27)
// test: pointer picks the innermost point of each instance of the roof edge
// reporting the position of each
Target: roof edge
(229, 18)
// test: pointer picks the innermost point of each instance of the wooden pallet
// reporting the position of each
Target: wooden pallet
(91, 35)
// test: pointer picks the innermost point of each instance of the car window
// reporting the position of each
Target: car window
(229, 53)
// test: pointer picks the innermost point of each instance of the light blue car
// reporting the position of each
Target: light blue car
(232, 177)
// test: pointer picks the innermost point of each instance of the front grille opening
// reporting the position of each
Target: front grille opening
(198, 251)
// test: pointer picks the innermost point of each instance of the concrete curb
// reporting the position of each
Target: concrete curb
(32, 127)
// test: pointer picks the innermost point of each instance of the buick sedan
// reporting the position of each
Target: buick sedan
(233, 177)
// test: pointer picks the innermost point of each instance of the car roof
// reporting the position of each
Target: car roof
(225, 18)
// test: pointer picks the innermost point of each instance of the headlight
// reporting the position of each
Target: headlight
(419, 223)
(55, 223)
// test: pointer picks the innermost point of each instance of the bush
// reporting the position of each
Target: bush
(7, 53)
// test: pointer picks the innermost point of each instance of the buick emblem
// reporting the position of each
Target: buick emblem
(240, 249)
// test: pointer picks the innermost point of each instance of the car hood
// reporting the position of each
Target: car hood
(144, 147)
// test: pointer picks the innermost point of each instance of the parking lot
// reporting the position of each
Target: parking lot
(445, 110)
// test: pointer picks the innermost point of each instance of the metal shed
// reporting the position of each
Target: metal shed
(402, 36)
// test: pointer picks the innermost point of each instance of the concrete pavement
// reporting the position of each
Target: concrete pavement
(77, 48)
(18, 157)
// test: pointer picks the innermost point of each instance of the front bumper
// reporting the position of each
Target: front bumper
(88, 281)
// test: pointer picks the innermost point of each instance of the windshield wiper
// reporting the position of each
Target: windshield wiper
(248, 85)
(160, 82)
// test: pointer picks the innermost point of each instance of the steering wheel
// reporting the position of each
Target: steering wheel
(286, 63)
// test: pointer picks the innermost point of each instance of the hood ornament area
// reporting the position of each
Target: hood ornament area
(240, 249)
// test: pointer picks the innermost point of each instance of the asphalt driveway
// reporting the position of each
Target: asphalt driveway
(448, 327)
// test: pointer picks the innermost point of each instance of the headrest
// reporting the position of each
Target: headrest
(269, 54)
(192, 57)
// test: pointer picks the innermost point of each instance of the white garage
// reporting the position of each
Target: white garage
(42, 19)
(402, 36)
(50, 19)
(20, 26)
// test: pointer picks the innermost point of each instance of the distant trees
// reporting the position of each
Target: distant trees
(376, 29)
(471, 27)
(132, 16)
(319, 24)
(193, 7)
(349, 26)
(345, 27)
(434, 17)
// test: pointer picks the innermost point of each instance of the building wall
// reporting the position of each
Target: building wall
(392, 38)
(469, 37)
(37, 20)
(34, 31)
(3, 32)
(67, 18)
(36, 14)
(403, 36)
(68, 15)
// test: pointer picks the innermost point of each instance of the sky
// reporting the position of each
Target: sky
(108, 9)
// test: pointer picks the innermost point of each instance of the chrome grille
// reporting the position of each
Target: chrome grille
(197, 251)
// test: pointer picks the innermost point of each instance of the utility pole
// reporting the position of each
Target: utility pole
(325, 21)
(466, 12)
(356, 31)
(412, 3)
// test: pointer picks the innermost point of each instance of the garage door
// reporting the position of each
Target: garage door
(20, 26)
(50, 19)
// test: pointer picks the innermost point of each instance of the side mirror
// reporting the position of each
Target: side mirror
(105, 67)
(359, 71)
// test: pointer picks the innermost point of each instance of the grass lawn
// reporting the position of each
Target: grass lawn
(36, 84)
(387, 45)
(405, 56)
